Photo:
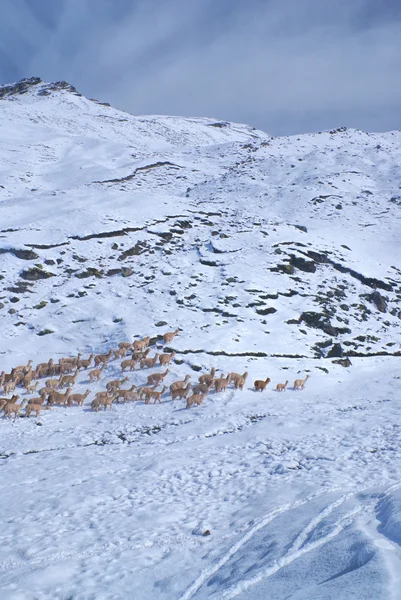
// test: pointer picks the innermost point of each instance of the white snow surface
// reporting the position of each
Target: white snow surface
(300, 490)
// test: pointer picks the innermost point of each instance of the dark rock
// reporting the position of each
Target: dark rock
(301, 228)
(41, 304)
(335, 351)
(266, 311)
(302, 264)
(287, 269)
(21, 287)
(320, 321)
(112, 272)
(379, 300)
(206, 532)
(22, 254)
(25, 254)
(136, 250)
(184, 224)
(208, 263)
(319, 257)
(90, 272)
(165, 235)
(49, 261)
(344, 362)
(35, 274)
(126, 271)
(21, 87)
(78, 258)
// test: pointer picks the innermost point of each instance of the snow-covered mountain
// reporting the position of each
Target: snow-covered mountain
(272, 256)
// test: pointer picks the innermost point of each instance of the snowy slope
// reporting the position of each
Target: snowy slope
(267, 254)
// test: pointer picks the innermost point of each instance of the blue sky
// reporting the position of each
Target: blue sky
(285, 66)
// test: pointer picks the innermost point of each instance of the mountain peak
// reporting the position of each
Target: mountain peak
(36, 86)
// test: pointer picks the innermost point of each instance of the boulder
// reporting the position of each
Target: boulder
(335, 352)
(379, 300)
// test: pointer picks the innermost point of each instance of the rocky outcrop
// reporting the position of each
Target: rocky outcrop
(42, 89)
(335, 351)
(35, 274)
(379, 301)
(303, 264)
(320, 321)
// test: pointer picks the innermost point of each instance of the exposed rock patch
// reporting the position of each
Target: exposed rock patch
(35, 274)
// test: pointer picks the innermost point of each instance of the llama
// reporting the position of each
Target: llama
(156, 396)
(239, 381)
(129, 363)
(165, 359)
(208, 378)
(103, 358)
(96, 373)
(179, 384)
(181, 393)
(141, 344)
(221, 383)
(126, 395)
(168, 337)
(157, 377)
(299, 384)
(84, 363)
(194, 399)
(149, 363)
(260, 384)
(78, 398)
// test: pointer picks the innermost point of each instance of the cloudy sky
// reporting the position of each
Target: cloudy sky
(285, 66)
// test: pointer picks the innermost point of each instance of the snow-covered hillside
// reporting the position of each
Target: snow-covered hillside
(272, 256)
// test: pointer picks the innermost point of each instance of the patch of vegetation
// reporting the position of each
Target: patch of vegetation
(41, 304)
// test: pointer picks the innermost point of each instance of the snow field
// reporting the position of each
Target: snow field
(300, 490)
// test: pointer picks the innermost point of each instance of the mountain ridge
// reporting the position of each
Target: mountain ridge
(293, 205)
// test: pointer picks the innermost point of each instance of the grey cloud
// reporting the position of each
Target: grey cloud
(283, 65)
